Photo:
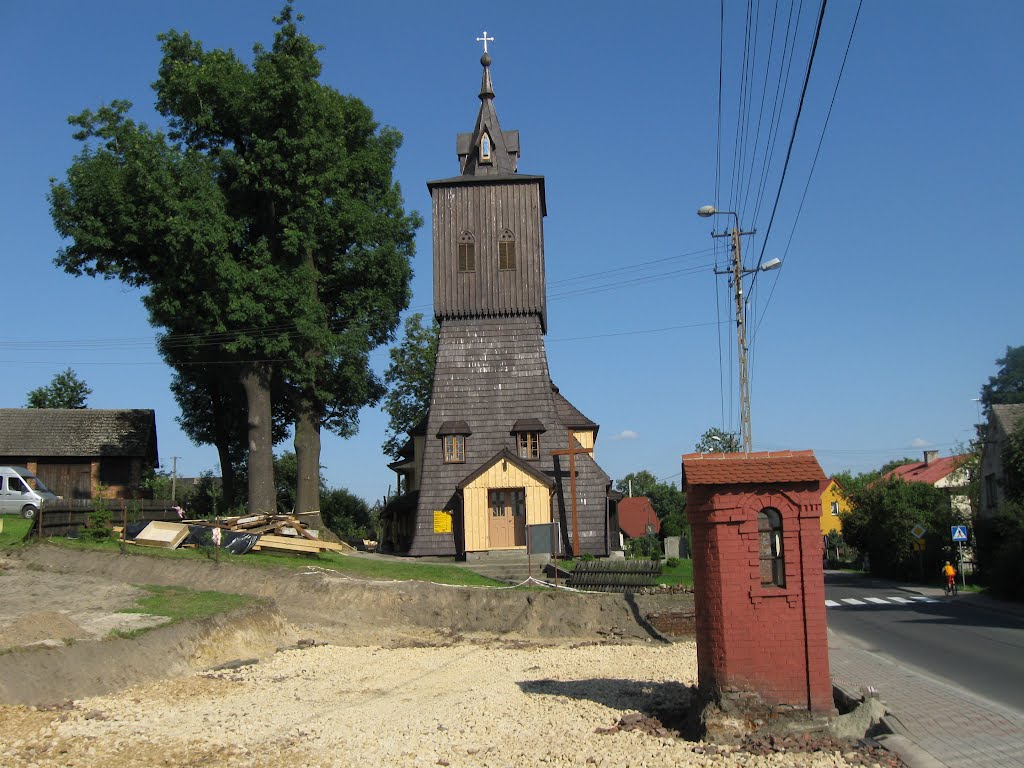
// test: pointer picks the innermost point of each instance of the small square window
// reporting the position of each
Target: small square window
(835, 508)
(454, 449)
(529, 445)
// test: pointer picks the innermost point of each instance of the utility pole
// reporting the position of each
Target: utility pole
(736, 273)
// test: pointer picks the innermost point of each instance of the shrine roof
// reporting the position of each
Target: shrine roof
(750, 468)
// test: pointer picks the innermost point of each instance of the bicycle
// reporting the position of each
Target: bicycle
(951, 588)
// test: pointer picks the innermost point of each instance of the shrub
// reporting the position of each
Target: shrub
(672, 562)
(99, 521)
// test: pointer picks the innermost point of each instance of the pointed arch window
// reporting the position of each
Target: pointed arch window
(506, 250)
(467, 252)
(485, 148)
(770, 554)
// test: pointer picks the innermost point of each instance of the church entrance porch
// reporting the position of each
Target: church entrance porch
(508, 517)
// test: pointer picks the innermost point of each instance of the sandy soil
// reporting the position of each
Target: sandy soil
(397, 692)
(39, 607)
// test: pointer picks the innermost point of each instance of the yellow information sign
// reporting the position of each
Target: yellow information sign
(442, 521)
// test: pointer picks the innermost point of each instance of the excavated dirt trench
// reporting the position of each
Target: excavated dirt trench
(67, 601)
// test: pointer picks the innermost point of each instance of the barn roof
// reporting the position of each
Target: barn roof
(38, 432)
(635, 514)
(750, 468)
(1009, 415)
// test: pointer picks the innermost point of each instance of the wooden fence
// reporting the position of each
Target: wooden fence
(67, 517)
(614, 575)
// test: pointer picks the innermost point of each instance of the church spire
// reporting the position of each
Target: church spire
(488, 151)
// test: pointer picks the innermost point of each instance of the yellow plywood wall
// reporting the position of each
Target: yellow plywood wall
(585, 437)
(477, 513)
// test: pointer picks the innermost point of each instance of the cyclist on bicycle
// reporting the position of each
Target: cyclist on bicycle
(950, 573)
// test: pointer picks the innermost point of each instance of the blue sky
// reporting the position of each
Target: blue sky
(901, 277)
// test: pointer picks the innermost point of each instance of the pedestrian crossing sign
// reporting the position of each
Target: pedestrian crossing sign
(959, 532)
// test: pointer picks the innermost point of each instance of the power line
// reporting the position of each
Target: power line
(792, 137)
(814, 163)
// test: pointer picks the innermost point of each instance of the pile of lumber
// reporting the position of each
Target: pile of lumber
(278, 533)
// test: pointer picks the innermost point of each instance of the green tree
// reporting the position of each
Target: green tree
(410, 378)
(889, 466)
(349, 516)
(344, 513)
(1007, 386)
(265, 226)
(882, 515)
(65, 390)
(716, 440)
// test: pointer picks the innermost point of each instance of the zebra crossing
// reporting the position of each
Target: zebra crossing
(845, 602)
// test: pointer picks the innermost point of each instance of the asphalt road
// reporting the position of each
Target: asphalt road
(958, 639)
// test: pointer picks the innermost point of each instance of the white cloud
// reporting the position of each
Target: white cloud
(626, 434)
(919, 442)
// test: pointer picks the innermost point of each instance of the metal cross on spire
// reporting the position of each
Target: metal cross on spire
(485, 40)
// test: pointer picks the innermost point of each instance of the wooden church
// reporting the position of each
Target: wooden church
(494, 453)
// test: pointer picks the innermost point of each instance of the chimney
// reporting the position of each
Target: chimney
(930, 456)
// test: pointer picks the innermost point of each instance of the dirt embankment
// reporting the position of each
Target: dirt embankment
(414, 675)
(374, 612)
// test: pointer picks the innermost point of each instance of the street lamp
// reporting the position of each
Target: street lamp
(737, 272)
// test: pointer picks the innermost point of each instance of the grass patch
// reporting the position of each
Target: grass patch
(680, 574)
(181, 604)
(361, 567)
(15, 529)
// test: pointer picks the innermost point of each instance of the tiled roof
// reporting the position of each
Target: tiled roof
(1009, 415)
(635, 514)
(39, 432)
(749, 468)
(930, 473)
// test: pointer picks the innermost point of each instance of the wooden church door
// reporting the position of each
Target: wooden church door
(507, 525)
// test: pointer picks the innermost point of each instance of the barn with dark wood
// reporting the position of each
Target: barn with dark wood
(497, 447)
(80, 453)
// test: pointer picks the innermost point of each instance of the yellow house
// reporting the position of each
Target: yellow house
(833, 503)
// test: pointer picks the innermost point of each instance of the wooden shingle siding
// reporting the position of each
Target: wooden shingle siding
(492, 370)
(485, 210)
(490, 373)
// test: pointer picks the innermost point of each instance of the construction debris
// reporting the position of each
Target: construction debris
(261, 533)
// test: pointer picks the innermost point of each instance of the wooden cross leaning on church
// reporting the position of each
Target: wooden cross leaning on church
(572, 451)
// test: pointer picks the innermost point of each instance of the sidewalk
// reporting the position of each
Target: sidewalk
(948, 725)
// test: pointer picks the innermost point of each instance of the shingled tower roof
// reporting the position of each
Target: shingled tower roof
(488, 150)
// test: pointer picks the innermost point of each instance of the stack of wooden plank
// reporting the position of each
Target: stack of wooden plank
(278, 533)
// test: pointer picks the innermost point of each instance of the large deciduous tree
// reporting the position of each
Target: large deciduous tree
(265, 226)
(883, 512)
(65, 390)
(410, 378)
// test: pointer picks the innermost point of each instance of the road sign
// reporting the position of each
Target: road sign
(959, 532)
(918, 531)
(919, 545)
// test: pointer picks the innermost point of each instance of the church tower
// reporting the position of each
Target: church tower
(491, 455)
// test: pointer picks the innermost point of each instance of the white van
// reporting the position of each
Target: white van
(22, 493)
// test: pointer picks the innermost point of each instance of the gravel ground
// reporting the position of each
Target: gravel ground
(471, 701)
